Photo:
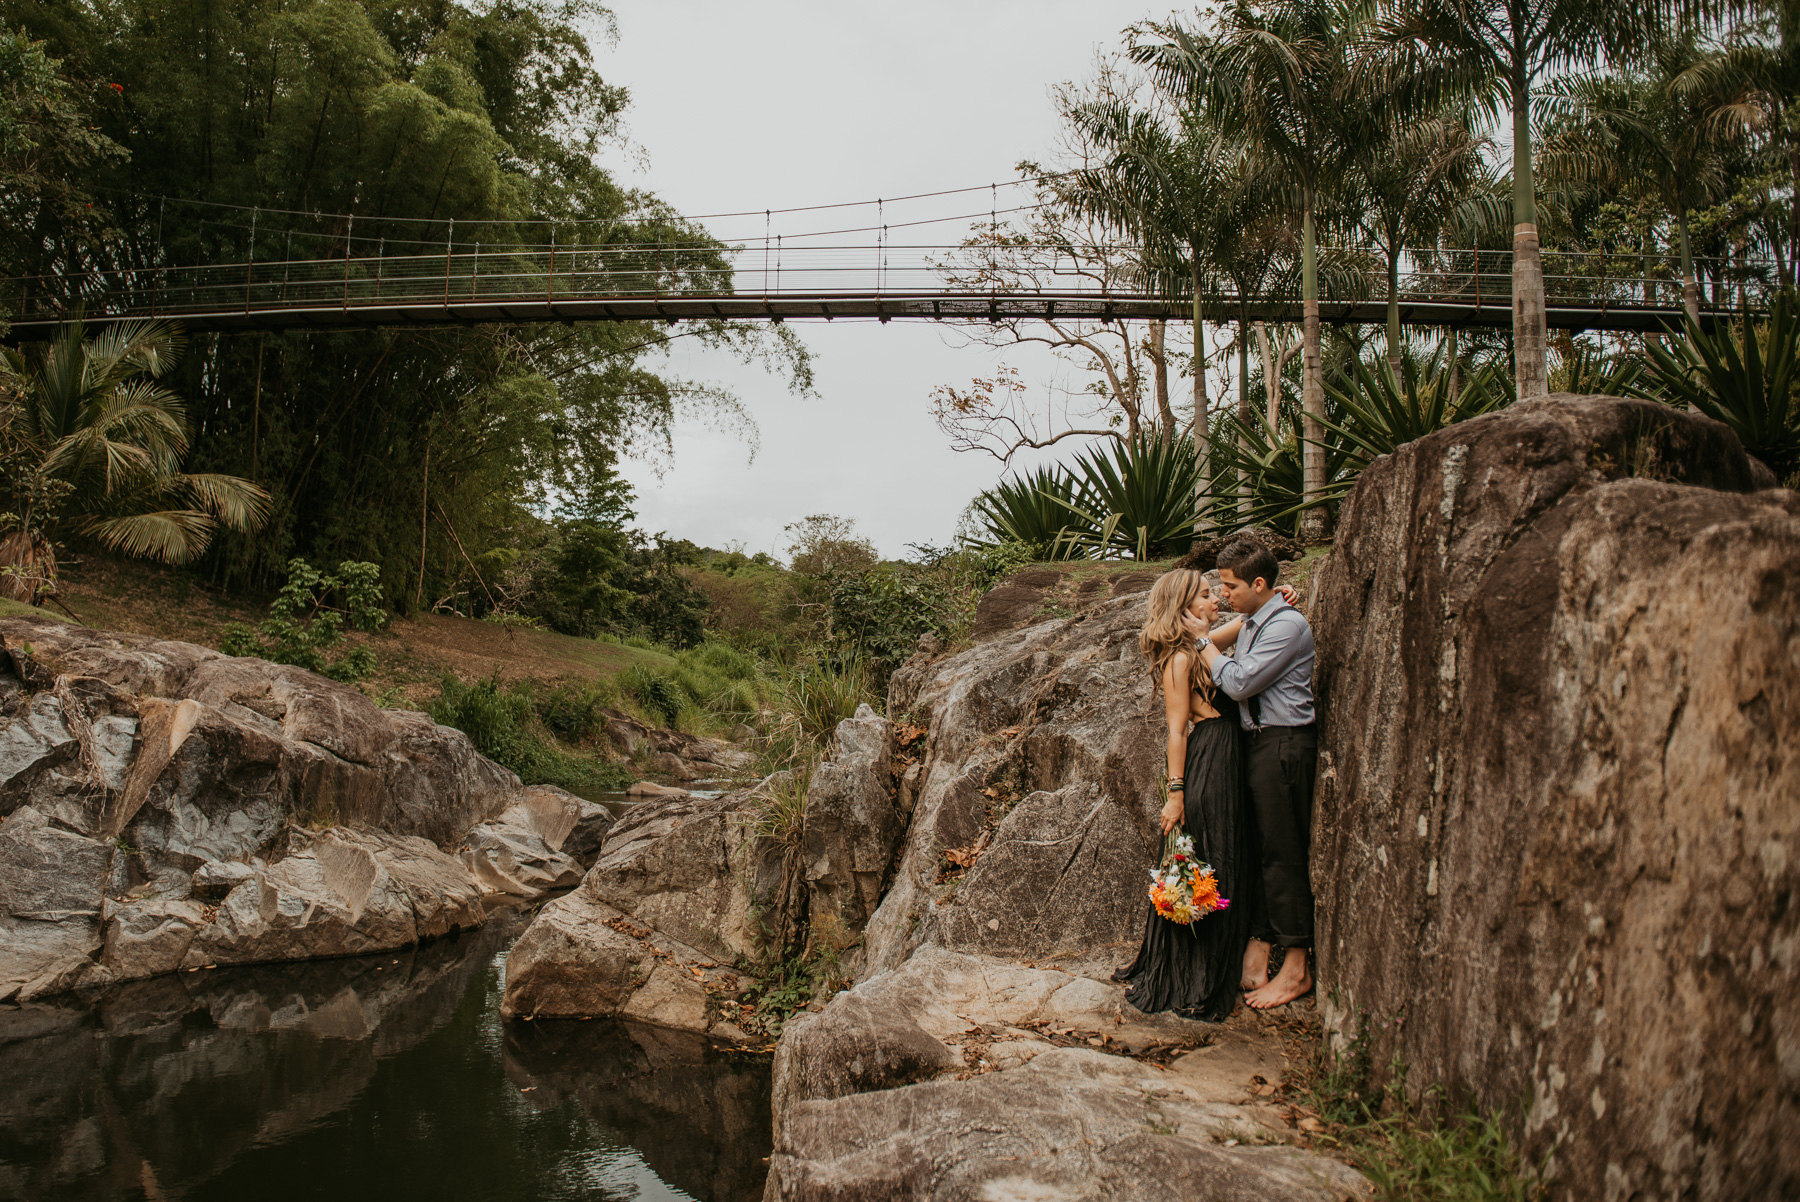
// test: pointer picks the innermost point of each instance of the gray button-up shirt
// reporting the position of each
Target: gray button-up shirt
(1273, 661)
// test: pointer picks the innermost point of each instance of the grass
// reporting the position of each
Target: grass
(505, 724)
(18, 609)
(1414, 1149)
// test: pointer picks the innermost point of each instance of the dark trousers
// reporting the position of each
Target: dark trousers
(1283, 760)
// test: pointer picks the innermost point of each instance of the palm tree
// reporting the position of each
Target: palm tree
(90, 430)
(1660, 130)
(1416, 176)
(1495, 51)
(1279, 77)
(1161, 184)
(1761, 64)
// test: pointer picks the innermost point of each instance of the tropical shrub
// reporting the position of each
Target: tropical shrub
(95, 445)
(1744, 375)
(1126, 498)
(504, 724)
(303, 625)
(1033, 511)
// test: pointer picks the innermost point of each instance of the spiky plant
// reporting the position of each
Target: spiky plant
(1744, 375)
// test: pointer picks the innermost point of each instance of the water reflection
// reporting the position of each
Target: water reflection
(383, 1077)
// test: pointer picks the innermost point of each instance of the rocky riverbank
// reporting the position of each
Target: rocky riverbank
(166, 807)
(978, 864)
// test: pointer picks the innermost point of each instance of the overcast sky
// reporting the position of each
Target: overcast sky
(783, 103)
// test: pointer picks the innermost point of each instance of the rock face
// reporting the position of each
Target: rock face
(163, 806)
(581, 958)
(944, 1079)
(1557, 824)
(853, 824)
(681, 883)
(1040, 765)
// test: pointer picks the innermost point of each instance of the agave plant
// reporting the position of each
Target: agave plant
(1377, 411)
(1256, 452)
(1134, 497)
(1744, 376)
(1033, 510)
(91, 415)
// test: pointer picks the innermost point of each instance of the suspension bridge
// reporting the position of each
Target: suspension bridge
(357, 281)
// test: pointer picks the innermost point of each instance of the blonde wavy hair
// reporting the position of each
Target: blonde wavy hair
(1163, 634)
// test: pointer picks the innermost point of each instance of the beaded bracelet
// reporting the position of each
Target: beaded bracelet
(1177, 785)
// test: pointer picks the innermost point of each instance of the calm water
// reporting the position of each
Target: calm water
(385, 1077)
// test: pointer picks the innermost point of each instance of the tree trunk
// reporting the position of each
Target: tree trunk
(1530, 331)
(1202, 435)
(1314, 522)
(1271, 383)
(1690, 287)
(1159, 362)
(1455, 366)
(1793, 256)
(1245, 412)
(1393, 308)
(27, 567)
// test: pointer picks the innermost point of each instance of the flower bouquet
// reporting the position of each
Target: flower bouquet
(1182, 888)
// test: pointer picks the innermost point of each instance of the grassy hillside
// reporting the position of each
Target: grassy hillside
(411, 655)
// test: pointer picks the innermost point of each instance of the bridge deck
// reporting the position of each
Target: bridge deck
(684, 283)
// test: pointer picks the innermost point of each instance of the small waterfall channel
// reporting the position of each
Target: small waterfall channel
(381, 1077)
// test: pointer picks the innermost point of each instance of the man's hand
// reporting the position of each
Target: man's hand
(1172, 812)
(1195, 627)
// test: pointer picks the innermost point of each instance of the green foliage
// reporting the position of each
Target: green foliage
(47, 141)
(1415, 1150)
(823, 694)
(303, 624)
(712, 682)
(92, 415)
(505, 725)
(660, 696)
(1376, 413)
(1034, 511)
(1744, 376)
(1130, 497)
(421, 450)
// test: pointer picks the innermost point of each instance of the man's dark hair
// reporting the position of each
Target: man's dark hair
(1247, 559)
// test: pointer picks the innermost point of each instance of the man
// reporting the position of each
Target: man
(1271, 678)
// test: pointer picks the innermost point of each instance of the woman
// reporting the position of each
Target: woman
(1196, 969)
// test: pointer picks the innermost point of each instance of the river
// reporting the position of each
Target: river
(381, 1077)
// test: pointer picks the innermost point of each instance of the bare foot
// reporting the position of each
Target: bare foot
(1293, 981)
(1256, 966)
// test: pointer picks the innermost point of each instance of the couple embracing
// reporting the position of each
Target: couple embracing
(1242, 752)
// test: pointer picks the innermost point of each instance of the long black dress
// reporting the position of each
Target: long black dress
(1195, 970)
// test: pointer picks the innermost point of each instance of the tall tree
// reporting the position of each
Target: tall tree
(1279, 76)
(1162, 183)
(1496, 52)
(1415, 176)
(1658, 130)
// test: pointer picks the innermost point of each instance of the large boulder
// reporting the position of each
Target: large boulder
(691, 867)
(581, 958)
(1557, 824)
(164, 806)
(853, 824)
(1033, 812)
(227, 748)
(914, 1023)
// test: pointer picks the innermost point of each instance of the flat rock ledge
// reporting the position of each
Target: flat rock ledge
(953, 1077)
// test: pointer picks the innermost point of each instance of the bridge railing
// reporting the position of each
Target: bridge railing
(546, 275)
